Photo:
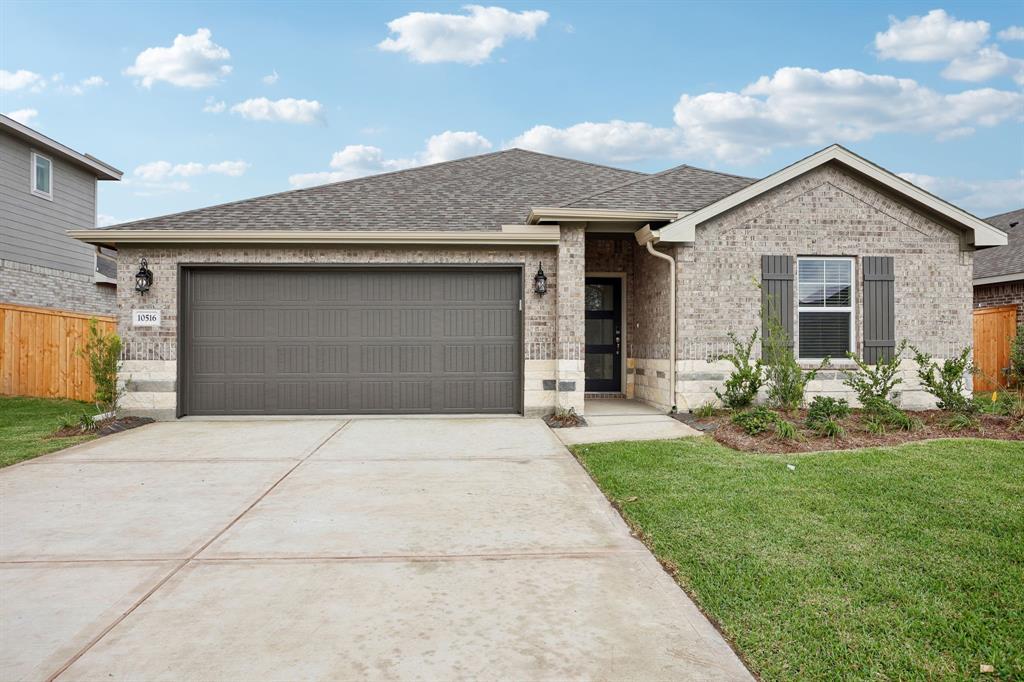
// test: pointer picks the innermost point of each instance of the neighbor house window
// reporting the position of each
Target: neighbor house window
(42, 176)
(826, 307)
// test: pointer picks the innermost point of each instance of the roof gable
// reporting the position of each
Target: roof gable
(101, 170)
(979, 232)
(471, 194)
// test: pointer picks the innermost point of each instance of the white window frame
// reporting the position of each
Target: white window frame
(32, 171)
(852, 308)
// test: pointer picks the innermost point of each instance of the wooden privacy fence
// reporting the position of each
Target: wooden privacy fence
(994, 328)
(39, 352)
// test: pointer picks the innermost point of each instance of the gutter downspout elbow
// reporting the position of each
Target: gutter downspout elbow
(649, 243)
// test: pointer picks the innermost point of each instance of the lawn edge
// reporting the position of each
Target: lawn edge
(667, 566)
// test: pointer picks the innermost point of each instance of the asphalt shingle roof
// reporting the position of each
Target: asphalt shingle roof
(476, 193)
(683, 188)
(1003, 260)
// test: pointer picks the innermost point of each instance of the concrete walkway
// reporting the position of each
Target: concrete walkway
(619, 419)
(433, 549)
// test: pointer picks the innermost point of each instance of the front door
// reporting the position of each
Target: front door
(603, 305)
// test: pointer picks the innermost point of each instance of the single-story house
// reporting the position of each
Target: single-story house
(999, 272)
(517, 282)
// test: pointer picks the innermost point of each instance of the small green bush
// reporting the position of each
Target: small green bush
(823, 408)
(85, 421)
(830, 428)
(103, 352)
(885, 412)
(875, 425)
(785, 379)
(706, 410)
(786, 430)
(746, 378)
(1017, 358)
(962, 422)
(876, 381)
(67, 420)
(755, 421)
(946, 382)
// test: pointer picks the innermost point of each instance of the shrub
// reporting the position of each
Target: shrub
(875, 425)
(706, 410)
(67, 420)
(755, 421)
(103, 352)
(1017, 358)
(746, 378)
(962, 422)
(888, 414)
(946, 381)
(878, 381)
(786, 430)
(86, 422)
(1012, 405)
(824, 408)
(786, 380)
(830, 428)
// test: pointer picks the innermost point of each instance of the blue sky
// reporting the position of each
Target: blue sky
(258, 98)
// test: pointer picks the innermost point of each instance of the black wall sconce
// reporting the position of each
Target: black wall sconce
(540, 281)
(143, 278)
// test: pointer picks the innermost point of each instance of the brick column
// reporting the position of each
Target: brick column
(569, 284)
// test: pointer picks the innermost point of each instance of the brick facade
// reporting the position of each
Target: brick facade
(825, 212)
(43, 287)
(1004, 293)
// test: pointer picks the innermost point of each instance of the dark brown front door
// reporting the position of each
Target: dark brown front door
(603, 364)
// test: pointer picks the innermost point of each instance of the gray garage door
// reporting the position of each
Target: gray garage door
(350, 341)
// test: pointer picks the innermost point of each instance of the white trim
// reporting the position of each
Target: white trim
(980, 232)
(535, 235)
(999, 279)
(101, 170)
(623, 318)
(852, 308)
(35, 156)
(597, 215)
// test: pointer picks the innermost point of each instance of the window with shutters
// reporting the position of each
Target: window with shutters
(825, 307)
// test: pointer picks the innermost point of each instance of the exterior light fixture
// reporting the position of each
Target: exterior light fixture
(540, 281)
(143, 278)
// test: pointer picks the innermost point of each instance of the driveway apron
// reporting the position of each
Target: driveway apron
(432, 549)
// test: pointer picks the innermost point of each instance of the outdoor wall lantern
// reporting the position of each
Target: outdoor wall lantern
(143, 278)
(540, 281)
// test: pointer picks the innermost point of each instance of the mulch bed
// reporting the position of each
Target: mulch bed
(567, 420)
(857, 436)
(104, 428)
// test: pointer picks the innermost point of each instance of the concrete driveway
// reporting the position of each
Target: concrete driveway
(329, 549)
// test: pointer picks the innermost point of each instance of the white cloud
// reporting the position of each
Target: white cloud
(214, 106)
(288, 110)
(81, 86)
(20, 79)
(358, 160)
(612, 142)
(431, 37)
(23, 116)
(1012, 33)
(797, 106)
(162, 171)
(270, 78)
(193, 61)
(937, 36)
(980, 197)
(987, 63)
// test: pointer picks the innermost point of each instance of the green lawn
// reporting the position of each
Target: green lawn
(893, 563)
(26, 423)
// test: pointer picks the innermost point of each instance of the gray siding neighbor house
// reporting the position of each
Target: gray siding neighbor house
(999, 272)
(517, 282)
(47, 189)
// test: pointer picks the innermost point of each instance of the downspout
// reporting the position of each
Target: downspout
(647, 237)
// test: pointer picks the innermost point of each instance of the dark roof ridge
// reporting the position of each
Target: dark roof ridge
(651, 176)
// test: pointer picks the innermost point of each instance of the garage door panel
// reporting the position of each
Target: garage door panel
(334, 341)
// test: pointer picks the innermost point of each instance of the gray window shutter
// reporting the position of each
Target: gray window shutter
(777, 294)
(879, 309)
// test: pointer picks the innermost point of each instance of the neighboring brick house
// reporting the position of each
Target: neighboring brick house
(999, 272)
(520, 282)
(47, 189)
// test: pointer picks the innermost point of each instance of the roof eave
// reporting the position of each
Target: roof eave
(981, 233)
(102, 170)
(509, 235)
(597, 215)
